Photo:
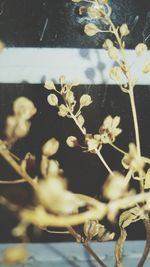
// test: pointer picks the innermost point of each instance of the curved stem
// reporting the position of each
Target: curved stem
(118, 149)
(4, 152)
(19, 181)
(97, 211)
(147, 246)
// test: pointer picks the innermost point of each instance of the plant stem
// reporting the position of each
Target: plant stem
(85, 244)
(118, 149)
(134, 113)
(96, 151)
(103, 161)
(19, 181)
(147, 246)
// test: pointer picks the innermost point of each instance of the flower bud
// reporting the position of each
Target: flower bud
(50, 147)
(52, 100)
(140, 49)
(124, 30)
(91, 29)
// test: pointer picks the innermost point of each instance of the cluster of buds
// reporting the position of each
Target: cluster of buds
(18, 125)
(69, 108)
(107, 134)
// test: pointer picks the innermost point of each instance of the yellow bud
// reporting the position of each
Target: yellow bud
(124, 30)
(113, 53)
(72, 141)
(49, 85)
(52, 100)
(91, 29)
(108, 44)
(85, 100)
(146, 67)
(50, 147)
(140, 49)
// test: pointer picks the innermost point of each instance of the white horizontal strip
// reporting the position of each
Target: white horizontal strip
(89, 66)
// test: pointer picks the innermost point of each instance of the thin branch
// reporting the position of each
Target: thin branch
(85, 244)
(19, 181)
(4, 152)
(147, 246)
(104, 162)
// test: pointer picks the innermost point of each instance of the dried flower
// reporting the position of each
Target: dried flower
(115, 186)
(52, 100)
(124, 30)
(49, 85)
(72, 141)
(146, 67)
(91, 29)
(141, 49)
(91, 229)
(24, 108)
(93, 142)
(109, 129)
(50, 147)
(132, 160)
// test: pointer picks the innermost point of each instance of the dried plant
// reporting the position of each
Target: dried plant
(54, 205)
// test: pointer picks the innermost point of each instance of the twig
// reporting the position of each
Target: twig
(4, 152)
(85, 244)
(147, 246)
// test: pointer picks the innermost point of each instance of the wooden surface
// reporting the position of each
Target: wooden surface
(74, 255)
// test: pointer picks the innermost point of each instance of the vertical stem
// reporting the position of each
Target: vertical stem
(133, 106)
(147, 246)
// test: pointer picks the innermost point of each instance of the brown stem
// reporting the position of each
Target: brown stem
(147, 246)
(86, 246)
(90, 250)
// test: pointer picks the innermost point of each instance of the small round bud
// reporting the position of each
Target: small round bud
(50, 147)
(72, 141)
(52, 100)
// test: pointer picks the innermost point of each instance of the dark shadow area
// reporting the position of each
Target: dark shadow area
(85, 173)
(44, 23)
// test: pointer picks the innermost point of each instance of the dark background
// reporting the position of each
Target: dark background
(21, 25)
